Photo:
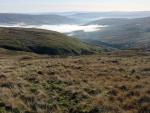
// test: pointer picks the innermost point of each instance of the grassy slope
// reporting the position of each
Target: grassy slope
(41, 41)
(115, 83)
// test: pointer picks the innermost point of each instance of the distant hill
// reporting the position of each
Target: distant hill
(66, 17)
(120, 21)
(121, 33)
(110, 21)
(92, 15)
(133, 34)
(6, 18)
(42, 42)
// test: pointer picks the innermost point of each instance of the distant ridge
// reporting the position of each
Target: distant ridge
(112, 14)
(34, 19)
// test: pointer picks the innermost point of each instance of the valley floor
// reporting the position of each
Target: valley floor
(108, 83)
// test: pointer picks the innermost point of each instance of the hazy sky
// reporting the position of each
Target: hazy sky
(26, 6)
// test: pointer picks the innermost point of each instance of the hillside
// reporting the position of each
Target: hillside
(33, 19)
(42, 42)
(114, 83)
(133, 34)
(121, 33)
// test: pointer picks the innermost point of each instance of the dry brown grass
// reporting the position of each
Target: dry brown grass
(114, 83)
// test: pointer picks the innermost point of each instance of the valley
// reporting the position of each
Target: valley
(75, 62)
(128, 30)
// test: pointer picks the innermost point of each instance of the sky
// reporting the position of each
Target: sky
(30, 6)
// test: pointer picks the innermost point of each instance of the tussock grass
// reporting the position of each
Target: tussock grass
(31, 83)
